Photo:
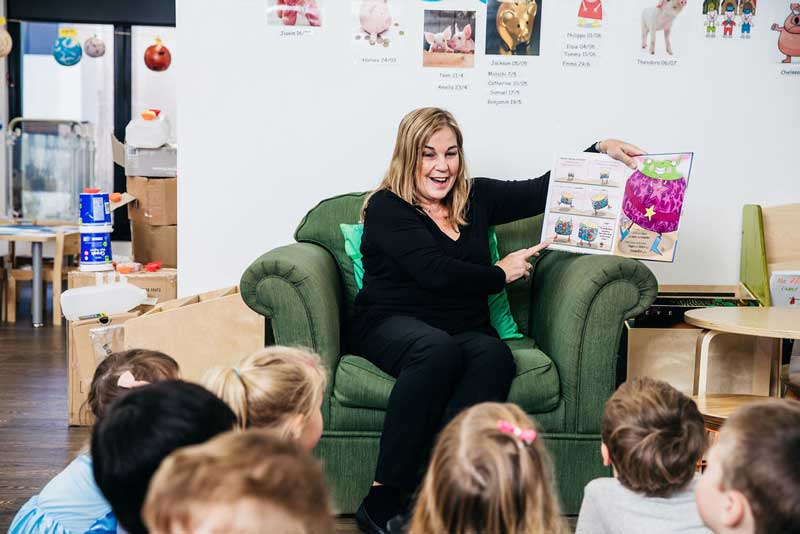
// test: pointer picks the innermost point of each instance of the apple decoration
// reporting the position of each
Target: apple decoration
(67, 51)
(157, 57)
(6, 43)
(94, 47)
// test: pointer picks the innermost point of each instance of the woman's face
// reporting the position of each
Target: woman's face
(440, 163)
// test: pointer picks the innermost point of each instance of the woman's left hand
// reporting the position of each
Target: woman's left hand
(620, 151)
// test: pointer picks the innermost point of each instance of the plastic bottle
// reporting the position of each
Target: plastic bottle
(106, 299)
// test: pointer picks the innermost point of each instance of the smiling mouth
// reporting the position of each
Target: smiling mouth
(439, 180)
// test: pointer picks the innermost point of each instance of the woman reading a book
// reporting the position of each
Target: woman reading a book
(422, 314)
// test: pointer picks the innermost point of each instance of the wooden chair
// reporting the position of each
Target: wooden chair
(66, 246)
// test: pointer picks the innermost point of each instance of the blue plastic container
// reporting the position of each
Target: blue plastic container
(95, 209)
(96, 248)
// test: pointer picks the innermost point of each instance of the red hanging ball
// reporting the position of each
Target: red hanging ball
(157, 57)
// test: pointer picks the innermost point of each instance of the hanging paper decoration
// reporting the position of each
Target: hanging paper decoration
(67, 50)
(157, 57)
(94, 47)
(6, 43)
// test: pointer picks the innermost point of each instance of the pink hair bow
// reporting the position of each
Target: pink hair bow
(528, 435)
(128, 381)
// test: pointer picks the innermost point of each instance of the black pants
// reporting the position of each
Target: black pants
(438, 375)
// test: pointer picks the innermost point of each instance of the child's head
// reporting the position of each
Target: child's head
(490, 472)
(252, 481)
(752, 482)
(653, 435)
(279, 388)
(140, 429)
(113, 376)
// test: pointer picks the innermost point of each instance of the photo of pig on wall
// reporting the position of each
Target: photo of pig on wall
(378, 24)
(513, 28)
(294, 13)
(449, 39)
(657, 23)
(789, 38)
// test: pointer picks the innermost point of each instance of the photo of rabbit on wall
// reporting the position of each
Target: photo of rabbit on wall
(449, 39)
(513, 28)
(294, 13)
(377, 23)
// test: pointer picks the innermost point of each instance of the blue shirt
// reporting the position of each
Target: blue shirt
(71, 503)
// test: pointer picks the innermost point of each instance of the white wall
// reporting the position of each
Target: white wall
(271, 125)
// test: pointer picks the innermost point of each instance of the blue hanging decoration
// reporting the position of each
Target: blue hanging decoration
(67, 51)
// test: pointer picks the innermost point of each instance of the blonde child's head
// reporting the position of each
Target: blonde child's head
(239, 482)
(121, 371)
(279, 388)
(490, 473)
(752, 482)
(653, 435)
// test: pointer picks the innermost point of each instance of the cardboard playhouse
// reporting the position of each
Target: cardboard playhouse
(199, 332)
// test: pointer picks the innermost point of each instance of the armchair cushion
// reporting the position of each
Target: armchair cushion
(360, 384)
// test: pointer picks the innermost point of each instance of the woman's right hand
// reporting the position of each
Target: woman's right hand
(516, 264)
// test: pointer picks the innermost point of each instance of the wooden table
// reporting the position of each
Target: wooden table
(768, 326)
(36, 236)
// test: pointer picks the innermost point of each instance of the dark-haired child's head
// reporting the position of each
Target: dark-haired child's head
(653, 435)
(752, 483)
(143, 427)
(121, 371)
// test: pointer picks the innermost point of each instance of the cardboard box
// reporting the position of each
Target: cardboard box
(201, 331)
(161, 285)
(156, 201)
(82, 360)
(155, 243)
(159, 162)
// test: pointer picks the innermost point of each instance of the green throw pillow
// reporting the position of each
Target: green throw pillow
(499, 308)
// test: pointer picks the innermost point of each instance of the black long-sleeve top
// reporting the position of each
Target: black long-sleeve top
(412, 268)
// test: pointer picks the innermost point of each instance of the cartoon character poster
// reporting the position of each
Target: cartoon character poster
(789, 34)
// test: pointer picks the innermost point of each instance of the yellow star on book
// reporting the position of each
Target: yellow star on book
(650, 212)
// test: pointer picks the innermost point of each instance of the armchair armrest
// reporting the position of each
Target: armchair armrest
(298, 288)
(579, 305)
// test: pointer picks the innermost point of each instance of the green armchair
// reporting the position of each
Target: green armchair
(571, 311)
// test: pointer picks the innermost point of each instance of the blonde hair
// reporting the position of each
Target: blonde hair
(414, 131)
(267, 388)
(654, 435)
(761, 441)
(250, 481)
(483, 479)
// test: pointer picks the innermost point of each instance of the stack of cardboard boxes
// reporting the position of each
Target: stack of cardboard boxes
(154, 219)
(152, 181)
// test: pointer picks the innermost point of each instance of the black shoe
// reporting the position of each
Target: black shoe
(399, 524)
(366, 524)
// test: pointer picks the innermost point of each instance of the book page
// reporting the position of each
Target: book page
(597, 205)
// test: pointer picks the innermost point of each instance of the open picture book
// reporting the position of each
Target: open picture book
(597, 205)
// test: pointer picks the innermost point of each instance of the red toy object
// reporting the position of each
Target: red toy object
(157, 57)
(591, 9)
(153, 266)
(91, 190)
